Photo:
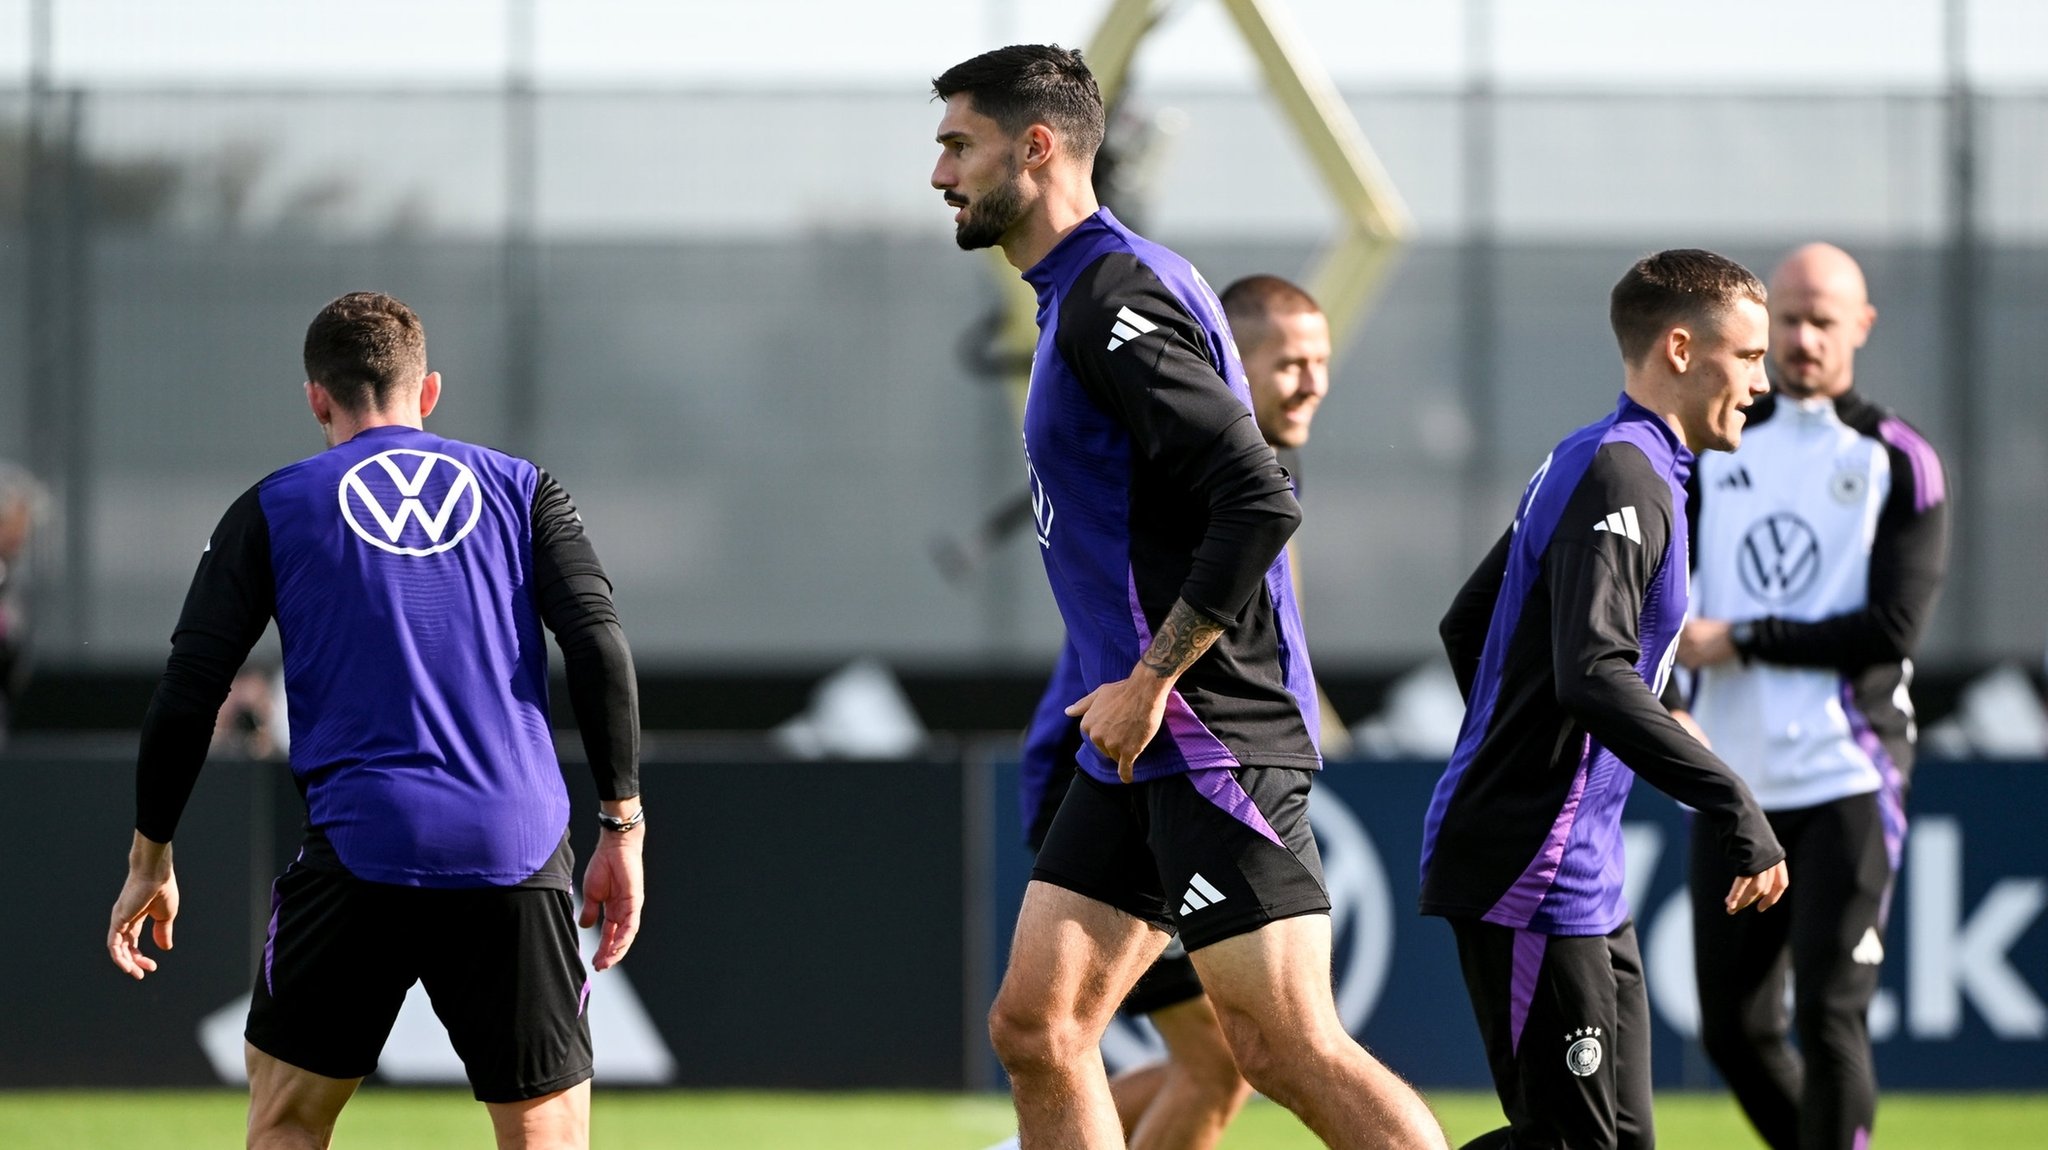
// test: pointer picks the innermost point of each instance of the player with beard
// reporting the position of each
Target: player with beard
(1561, 641)
(1186, 1100)
(1819, 550)
(1162, 516)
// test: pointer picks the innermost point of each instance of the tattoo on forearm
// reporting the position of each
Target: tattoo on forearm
(1182, 638)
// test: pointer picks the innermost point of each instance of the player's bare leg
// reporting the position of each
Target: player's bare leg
(290, 1108)
(1072, 961)
(1198, 1088)
(1271, 989)
(1134, 1090)
(558, 1121)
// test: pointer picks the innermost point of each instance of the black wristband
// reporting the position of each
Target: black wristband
(1742, 636)
(614, 823)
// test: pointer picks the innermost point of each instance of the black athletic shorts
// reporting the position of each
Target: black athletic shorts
(500, 964)
(1566, 1023)
(1171, 979)
(1208, 854)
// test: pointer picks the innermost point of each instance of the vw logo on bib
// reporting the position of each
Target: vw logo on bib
(1779, 558)
(411, 502)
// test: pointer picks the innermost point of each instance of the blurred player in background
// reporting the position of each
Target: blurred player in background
(1561, 642)
(22, 504)
(1186, 1100)
(410, 576)
(1819, 548)
(1162, 516)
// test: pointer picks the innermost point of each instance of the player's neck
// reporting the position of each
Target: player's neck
(347, 425)
(1660, 398)
(1055, 216)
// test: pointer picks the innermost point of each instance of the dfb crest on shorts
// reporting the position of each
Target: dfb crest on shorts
(1779, 558)
(1582, 1057)
(386, 505)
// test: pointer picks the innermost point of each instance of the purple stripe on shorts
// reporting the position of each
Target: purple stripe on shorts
(1517, 908)
(1862, 1141)
(1891, 791)
(1929, 487)
(270, 938)
(1220, 786)
(1522, 982)
(582, 998)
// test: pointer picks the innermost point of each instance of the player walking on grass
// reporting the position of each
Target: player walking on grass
(1820, 549)
(410, 577)
(1162, 516)
(1561, 641)
(1185, 1101)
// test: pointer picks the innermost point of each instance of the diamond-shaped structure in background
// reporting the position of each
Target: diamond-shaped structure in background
(1373, 219)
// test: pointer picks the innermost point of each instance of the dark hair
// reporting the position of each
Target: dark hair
(364, 348)
(1248, 301)
(1026, 84)
(1675, 287)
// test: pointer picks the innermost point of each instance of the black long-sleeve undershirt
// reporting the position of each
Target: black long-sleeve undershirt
(1186, 425)
(575, 603)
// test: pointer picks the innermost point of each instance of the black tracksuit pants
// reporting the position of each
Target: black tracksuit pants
(1828, 931)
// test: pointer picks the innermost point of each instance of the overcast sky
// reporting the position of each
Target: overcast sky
(824, 43)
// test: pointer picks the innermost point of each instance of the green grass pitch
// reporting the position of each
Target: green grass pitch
(401, 1119)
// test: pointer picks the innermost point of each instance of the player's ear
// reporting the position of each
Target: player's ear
(430, 393)
(321, 403)
(1868, 318)
(1039, 143)
(1677, 349)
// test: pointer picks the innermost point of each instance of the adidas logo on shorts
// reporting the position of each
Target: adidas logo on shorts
(1201, 893)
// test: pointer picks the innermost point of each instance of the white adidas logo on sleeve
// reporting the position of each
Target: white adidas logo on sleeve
(1129, 326)
(1622, 522)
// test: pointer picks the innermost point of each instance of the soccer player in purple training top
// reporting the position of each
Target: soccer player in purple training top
(1186, 1100)
(411, 577)
(1162, 516)
(1562, 641)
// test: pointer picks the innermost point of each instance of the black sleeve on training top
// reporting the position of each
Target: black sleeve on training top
(232, 597)
(1183, 419)
(575, 601)
(1464, 626)
(1597, 581)
(1908, 557)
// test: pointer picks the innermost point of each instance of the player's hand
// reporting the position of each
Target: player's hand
(151, 892)
(1764, 889)
(615, 884)
(1120, 718)
(1705, 642)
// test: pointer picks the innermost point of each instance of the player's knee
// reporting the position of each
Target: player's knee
(1028, 1038)
(1214, 1076)
(1270, 1062)
(1826, 1032)
(1734, 1034)
(279, 1125)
